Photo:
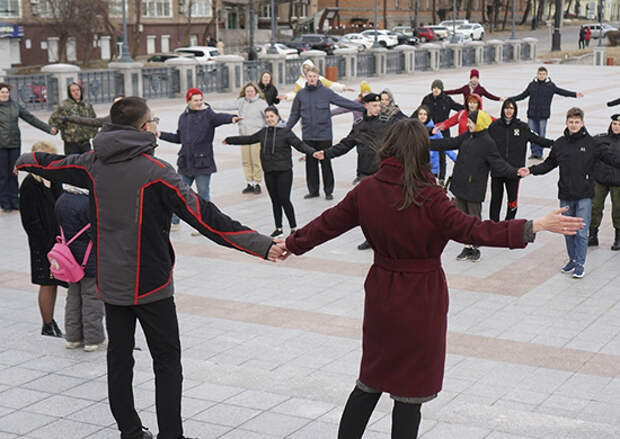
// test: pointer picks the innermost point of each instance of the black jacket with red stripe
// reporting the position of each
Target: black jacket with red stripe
(132, 198)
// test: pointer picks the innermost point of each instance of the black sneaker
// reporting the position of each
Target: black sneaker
(475, 255)
(48, 330)
(276, 233)
(148, 435)
(465, 254)
(249, 189)
(257, 189)
(329, 197)
(363, 246)
(57, 331)
(308, 196)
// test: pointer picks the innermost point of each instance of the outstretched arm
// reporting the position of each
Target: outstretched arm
(448, 143)
(33, 120)
(245, 140)
(299, 144)
(88, 121)
(72, 169)
(613, 103)
(522, 95)
(340, 101)
(485, 92)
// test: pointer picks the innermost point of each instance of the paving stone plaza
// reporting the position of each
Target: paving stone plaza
(273, 350)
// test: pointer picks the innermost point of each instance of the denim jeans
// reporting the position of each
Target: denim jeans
(203, 183)
(577, 245)
(539, 126)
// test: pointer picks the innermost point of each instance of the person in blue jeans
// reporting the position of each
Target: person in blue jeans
(195, 134)
(541, 91)
(576, 153)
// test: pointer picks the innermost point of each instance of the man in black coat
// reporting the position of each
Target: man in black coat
(607, 181)
(576, 154)
(511, 136)
(440, 105)
(367, 135)
(477, 155)
(540, 92)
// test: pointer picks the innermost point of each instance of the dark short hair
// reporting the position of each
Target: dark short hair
(542, 69)
(574, 112)
(272, 109)
(5, 85)
(129, 111)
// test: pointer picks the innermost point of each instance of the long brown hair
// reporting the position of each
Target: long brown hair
(259, 93)
(407, 141)
(260, 78)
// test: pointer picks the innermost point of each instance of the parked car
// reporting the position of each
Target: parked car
(406, 39)
(246, 51)
(450, 26)
(202, 53)
(425, 34)
(403, 30)
(441, 32)
(299, 46)
(317, 42)
(596, 29)
(385, 37)
(164, 56)
(282, 49)
(359, 38)
(458, 39)
(475, 31)
(345, 42)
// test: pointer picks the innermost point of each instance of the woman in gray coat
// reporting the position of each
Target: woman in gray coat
(10, 144)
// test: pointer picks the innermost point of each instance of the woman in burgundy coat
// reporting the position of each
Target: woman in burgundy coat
(408, 220)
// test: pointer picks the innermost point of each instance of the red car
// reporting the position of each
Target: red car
(425, 34)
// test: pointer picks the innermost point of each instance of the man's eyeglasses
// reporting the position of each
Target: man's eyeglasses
(155, 120)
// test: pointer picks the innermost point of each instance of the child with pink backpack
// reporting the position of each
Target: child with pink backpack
(83, 309)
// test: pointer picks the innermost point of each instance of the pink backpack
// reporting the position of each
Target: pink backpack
(63, 265)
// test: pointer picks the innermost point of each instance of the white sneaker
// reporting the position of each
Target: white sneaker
(96, 347)
(74, 344)
(196, 233)
(175, 227)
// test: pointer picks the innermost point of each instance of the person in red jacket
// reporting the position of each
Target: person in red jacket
(473, 102)
(588, 36)
(473, 86)
(408, 220)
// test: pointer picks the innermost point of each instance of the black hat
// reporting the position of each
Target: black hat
(616, 117)
(371, 97)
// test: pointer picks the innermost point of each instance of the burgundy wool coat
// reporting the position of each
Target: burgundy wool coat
(406, 303)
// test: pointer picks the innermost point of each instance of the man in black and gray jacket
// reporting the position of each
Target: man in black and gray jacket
(132, 198)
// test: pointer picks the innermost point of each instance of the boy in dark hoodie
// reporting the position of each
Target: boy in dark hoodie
(511, 136)
(76, 137)
(576, 154)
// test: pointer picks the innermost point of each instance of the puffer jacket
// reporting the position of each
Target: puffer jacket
(275, 143)
(477, 155)
(72, 215)
(73, 132)
(132, 196)
(511, 137)
(541, 94)
(250, 110)
(195, 133)
(603, 173)
(10, 112)
(459, 118)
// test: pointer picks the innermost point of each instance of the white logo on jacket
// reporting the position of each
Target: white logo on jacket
(516, 132)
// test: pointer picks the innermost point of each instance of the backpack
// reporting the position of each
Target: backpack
(63, 265)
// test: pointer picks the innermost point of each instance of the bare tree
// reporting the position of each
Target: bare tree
(470, 5)
(188, 5)
(137, 35)
(526, 13)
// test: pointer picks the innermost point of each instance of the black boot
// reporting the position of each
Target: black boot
(593, 237)
(616, 244)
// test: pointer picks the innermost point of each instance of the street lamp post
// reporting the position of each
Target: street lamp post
(125, 56)
(556, 38)
(415, 18)
(251, 51)
(376, 44)
(513, 36)
(600, 23)
(272, 49)
(453, 38)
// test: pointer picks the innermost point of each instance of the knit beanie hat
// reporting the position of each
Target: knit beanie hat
(474, 72)
(191, 92)
(364, 87)
(437, 83)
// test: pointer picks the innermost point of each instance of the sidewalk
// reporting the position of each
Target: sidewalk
(273, 350)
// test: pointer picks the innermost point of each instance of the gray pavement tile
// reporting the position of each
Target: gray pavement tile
(257, 400)
(444, 430)
(22, 422)
(500, 435)
(275, 424)
(226, 414)
(4, 435)
(63, 429)
(53, 383)
(14, 357)
(49, 363)
(213, 392)
(316, 430)
(98, 414)
(59, 406)
(15, 376)
(92, 390)
(303, 408)
(18, 398)
(246, 434)
(203, 430)
(106, 433)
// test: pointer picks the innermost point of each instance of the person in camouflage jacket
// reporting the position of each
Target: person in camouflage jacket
(76, 137)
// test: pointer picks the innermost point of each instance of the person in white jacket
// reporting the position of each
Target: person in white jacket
(250, 106)
(301, 83)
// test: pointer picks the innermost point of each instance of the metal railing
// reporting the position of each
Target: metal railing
(337, 61)
(508, 52)
(100, 86)
(159, 82)
(489, 54)
(469, 56)
(35, 92)
(526, 51)
(212, 78)
(395, 62)
(366, 65)
(446, 58)
(253, 69)
(293, 70)
(422, 60)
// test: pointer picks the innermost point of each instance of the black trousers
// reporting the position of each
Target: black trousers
(360, 405)
(279, 185)
(312, 168)
(497, 196)
(76, 147)
(159, 323)
(8, 181)
(442, 158)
